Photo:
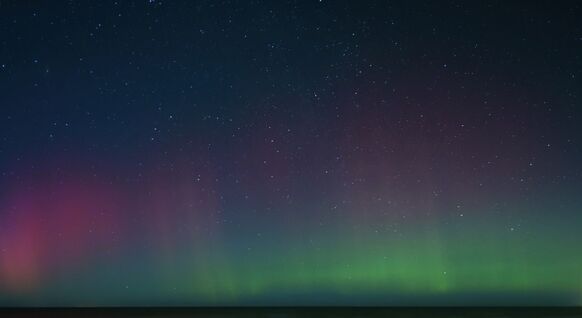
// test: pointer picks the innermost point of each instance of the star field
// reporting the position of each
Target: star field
(180, 153)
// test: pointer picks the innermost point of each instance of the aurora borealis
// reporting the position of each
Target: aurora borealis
(201, 153)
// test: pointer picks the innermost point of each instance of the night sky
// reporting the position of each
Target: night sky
(175, 153)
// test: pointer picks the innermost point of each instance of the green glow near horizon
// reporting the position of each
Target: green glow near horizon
(478, 258)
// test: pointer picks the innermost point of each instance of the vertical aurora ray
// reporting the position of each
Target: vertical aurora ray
(180, 249)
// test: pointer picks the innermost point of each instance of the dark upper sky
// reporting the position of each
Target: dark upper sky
(290, 152)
